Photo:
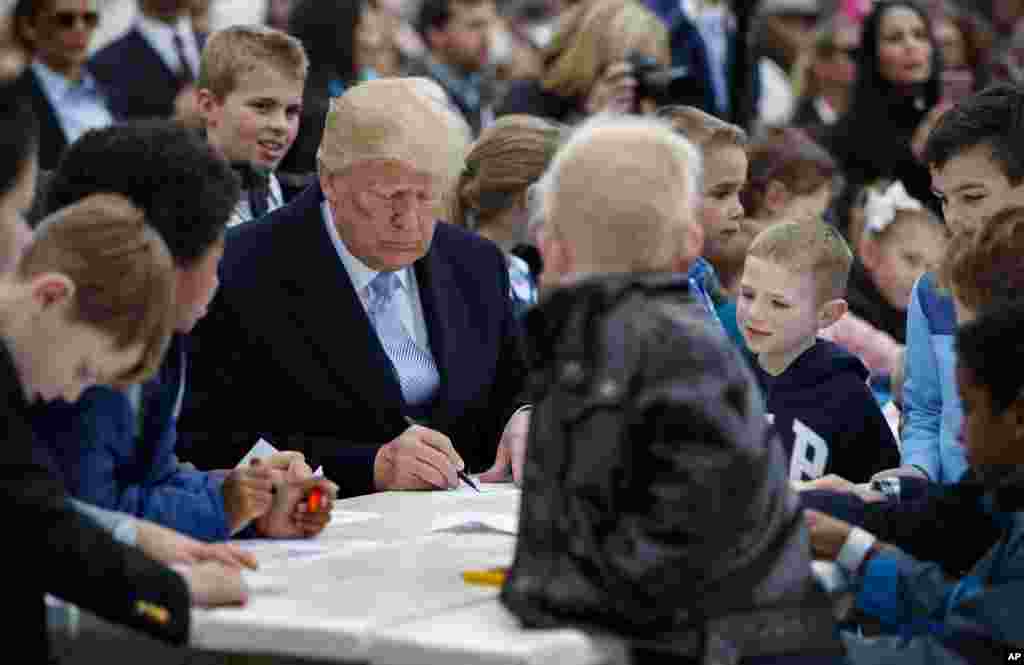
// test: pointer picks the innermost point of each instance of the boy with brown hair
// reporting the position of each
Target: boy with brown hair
(793, 284)
(249, 94)
(91, 301)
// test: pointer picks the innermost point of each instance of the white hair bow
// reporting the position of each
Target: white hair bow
(880, 209)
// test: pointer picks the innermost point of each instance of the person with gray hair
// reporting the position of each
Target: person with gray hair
(353, 326)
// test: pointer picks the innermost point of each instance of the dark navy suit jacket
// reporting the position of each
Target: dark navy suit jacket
(138, 83)
(287, 351)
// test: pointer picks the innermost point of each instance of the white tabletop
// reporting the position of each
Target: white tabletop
(381, 584)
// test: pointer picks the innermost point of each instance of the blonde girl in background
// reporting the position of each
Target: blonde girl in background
(490, 196)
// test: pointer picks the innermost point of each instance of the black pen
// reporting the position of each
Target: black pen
(462, 474)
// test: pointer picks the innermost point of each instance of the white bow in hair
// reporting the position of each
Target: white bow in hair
(880, 209)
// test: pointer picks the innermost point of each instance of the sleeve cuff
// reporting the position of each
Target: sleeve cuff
(855, 550)
(127, 532)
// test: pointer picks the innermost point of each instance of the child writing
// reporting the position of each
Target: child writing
(981, 270)
(964, 618)
(91, 301)
(793, 283)
(117, 448)
(249, 94)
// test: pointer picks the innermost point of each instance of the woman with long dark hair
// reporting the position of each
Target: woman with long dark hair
(897, 88)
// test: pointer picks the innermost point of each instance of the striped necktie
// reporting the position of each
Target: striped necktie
(416, 370)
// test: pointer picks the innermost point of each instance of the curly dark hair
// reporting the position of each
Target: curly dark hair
(187, 190)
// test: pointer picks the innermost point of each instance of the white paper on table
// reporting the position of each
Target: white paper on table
(472, 521)
(340, 517)
(261, 450)
(264, 449)
(275, 552)
(263, 583)
(485, 489)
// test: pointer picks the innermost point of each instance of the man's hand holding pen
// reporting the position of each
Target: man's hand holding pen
(419, 458)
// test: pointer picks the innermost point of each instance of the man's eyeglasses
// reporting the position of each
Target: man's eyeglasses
(68, 20)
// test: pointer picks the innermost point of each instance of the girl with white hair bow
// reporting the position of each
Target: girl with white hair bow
(898, 240)
(901, 241)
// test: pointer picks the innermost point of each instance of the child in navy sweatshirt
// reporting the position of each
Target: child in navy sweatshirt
(793, 283)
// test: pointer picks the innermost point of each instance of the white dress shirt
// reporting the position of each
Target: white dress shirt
(410, 307)
(161, 37)
(78, 106)
(243, 213)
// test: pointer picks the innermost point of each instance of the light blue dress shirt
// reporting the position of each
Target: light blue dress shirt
(79, 106)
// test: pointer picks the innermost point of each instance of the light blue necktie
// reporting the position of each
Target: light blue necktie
(417, 373)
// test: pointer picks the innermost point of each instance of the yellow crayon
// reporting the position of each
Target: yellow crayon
(491, 577)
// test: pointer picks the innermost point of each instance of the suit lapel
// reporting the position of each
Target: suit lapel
(444, 314)
(324, 304)
(52, 138)
(149, 61)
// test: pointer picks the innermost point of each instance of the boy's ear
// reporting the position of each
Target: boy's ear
(52, 290)
(831, 311)
(776, 196)
(207, 103)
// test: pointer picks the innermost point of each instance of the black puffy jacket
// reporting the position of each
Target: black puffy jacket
(655, 503)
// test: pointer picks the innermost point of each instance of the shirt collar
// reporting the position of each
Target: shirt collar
(464, 86)
(58, 86)
(360, 273)
(160, 30)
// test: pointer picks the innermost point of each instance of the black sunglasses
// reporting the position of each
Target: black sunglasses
(68, 20)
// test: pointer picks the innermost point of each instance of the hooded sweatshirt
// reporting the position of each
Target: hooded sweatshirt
(826, 416)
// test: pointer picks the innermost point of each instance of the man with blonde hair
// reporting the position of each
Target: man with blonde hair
(352, 325)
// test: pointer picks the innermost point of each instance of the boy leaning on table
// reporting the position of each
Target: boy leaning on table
(91, 300)
(115, 447)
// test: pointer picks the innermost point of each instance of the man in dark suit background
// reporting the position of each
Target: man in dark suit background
(351, 312)
(67, 99)
(147, 71)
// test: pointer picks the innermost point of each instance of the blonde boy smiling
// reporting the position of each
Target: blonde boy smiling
(792, 286)
(250, 97)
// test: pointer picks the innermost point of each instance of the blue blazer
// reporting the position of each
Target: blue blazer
(287, 351)
(138, 83)
(111, 457)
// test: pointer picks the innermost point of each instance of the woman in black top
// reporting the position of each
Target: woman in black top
(898, 84)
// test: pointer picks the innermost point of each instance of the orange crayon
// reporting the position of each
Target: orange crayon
(315, 499)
